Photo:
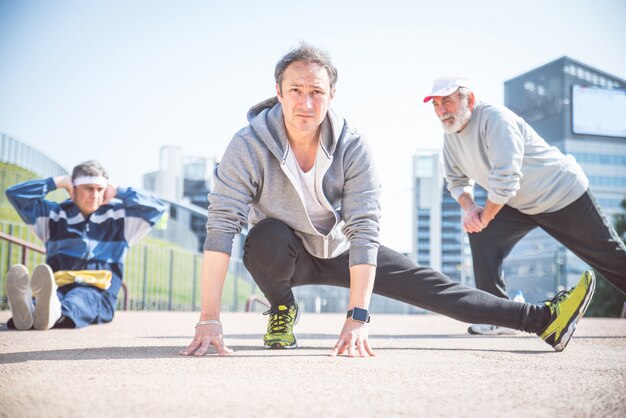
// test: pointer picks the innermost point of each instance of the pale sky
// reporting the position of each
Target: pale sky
(116, 80)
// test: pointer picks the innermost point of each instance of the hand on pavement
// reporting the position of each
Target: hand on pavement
(354, 339)
(206, 336)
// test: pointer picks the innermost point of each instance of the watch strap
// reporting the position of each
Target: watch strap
(359, 312)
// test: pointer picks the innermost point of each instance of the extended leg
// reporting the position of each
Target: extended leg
(583, 229)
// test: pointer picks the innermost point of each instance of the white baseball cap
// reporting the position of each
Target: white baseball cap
(445, 86)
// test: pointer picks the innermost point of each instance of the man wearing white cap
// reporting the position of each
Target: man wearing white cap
(529, 184)
(86, 239)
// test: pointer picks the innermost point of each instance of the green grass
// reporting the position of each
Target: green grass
(10, 175)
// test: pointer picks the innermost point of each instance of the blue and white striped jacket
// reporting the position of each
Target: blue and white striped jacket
(99, 242)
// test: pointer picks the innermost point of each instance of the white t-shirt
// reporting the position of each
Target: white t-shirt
(321, 218)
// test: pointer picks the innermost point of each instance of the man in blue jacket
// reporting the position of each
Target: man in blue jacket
(86, 238)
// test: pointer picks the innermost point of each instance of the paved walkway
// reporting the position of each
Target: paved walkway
(426, 365)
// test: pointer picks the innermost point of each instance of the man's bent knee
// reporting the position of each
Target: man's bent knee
(267, 241)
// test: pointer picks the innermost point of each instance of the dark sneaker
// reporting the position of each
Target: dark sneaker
(20, 298)
(566, 309)
(280, 327)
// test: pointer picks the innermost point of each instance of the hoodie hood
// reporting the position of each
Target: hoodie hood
(266, 119)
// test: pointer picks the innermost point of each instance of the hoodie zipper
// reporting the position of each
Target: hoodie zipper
(295, 182)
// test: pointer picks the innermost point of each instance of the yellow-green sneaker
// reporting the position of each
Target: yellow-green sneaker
(280, 327)
(566, 309)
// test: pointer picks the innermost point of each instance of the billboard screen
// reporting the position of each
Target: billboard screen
(598, 111)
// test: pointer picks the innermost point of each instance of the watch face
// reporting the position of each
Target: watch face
(359, 314)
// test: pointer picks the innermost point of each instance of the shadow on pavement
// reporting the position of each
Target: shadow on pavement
(171, 352)
(310, 336)
(386, 336)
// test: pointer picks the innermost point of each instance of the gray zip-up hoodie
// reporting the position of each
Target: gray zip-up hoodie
(253, 182)
(503, 154)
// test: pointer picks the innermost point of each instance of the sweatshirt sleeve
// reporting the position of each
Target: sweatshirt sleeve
(29, 201)
(236, 181)
(457, 182)
(142, 211)
(504, 141)
(361, 204)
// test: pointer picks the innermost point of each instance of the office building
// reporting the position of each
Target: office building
(439, 240)
(183, 183)
(582, 111)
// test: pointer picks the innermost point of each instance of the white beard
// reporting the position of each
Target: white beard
(461, 117)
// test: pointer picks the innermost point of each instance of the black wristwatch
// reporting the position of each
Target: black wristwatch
(359, 315)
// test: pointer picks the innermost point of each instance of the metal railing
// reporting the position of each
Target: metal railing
(157, 276)
(15, 152)
(26, 247)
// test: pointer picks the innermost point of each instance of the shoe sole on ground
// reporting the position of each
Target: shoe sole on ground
(19, 296)
(45, 292)
(571, 327)
(278, 346)
(500, 331)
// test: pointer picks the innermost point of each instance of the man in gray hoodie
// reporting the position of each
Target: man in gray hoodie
(304, 179)
(529, 184)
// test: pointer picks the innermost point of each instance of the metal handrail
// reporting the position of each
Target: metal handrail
(30, 246)
(24, 244)
(258, 299)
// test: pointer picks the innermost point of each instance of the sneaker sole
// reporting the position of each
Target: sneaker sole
(19, 296)
(277, 346)
(574, 321)
(44, 289)
(509, 331)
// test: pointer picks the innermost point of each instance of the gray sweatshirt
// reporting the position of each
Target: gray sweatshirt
(253, 182)
(504, 155)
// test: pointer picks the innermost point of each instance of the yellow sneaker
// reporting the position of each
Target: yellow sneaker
(280, 327)
(566, 309)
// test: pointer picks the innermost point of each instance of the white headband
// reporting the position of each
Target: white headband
(99, 180)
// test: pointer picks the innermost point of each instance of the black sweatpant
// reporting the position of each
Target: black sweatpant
(580, 226)
(278, 261)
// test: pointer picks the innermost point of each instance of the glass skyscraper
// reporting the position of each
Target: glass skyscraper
(438, 237)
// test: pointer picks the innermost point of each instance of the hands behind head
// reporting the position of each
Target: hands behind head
(65, 182)
(109, 193)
